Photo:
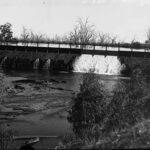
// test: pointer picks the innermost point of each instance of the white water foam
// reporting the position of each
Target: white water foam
(47, 64)
(100, 64)
(36, 63)
(3, 61)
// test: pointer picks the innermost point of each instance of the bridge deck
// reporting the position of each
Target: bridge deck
(57, 48)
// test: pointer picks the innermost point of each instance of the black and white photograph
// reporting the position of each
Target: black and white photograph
(74, 74)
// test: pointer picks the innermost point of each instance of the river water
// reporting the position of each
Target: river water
(48, 116)
(40, 101)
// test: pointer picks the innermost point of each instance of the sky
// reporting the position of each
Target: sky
(126, 19)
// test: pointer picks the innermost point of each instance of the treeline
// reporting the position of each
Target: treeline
(83, 33)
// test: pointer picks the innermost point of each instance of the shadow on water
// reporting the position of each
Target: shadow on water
(90, 114)
(83, 118)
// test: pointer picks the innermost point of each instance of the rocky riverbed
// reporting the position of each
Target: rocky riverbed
(36, 107)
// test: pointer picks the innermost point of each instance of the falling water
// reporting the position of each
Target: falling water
(47, 64)
(36, 63)
(100, 64)
(3, 61)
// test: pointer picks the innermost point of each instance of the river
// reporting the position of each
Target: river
(40, 103)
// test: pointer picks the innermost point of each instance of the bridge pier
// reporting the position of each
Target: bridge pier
(131, 53)
(3, 62)
(106, 51)
(47, 64)
(14, 63)
(36, 63)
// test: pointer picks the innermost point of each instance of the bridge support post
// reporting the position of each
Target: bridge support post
(48, 44)
(106, 51)
(131, 52)
(70, 48)
(93, 50)
(118, 51)
(145, 52)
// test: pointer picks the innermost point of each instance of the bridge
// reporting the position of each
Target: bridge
(61, 55)
(126, 50)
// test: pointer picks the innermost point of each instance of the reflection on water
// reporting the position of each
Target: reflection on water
(92, 117)
(41, 123)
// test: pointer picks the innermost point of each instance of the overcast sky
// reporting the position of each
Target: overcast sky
(124, 18)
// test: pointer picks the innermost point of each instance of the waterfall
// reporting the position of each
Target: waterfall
(47, 64)
(100, 64)
(36, 63)
(3, 61)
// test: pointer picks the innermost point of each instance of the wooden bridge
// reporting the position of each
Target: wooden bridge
(127, 50)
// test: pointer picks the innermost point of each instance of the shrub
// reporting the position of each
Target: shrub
(127, 104)
(89, 106)
(5, 136)
(3, 89)
(95, 118)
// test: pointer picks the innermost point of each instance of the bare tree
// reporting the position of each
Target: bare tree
(83, 32)
(37, 38)
(47, 40)
(74, 35)
(148, 36)
(113, 39)
(133, 39)
(28, 35)
(105, 38)
(25, 35)
(66, 38)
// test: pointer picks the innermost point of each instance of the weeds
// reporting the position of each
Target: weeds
(5, 136)
(108, 124)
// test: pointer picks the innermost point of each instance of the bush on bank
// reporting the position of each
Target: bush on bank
(108, 123)
(5, 133)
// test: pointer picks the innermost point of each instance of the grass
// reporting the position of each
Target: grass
(101, 123)
(5, 136)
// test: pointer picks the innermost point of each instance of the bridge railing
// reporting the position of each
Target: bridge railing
(77, 45)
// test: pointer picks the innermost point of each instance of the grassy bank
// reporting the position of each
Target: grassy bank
(99, 121)
(132, 63)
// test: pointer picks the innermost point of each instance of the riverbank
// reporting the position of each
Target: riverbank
(36, 107)
(38, 103)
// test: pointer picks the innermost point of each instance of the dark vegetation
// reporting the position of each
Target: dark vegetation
(6, 33)
(135, 63)
(99, 121)
(5, 132)
(5, 136)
